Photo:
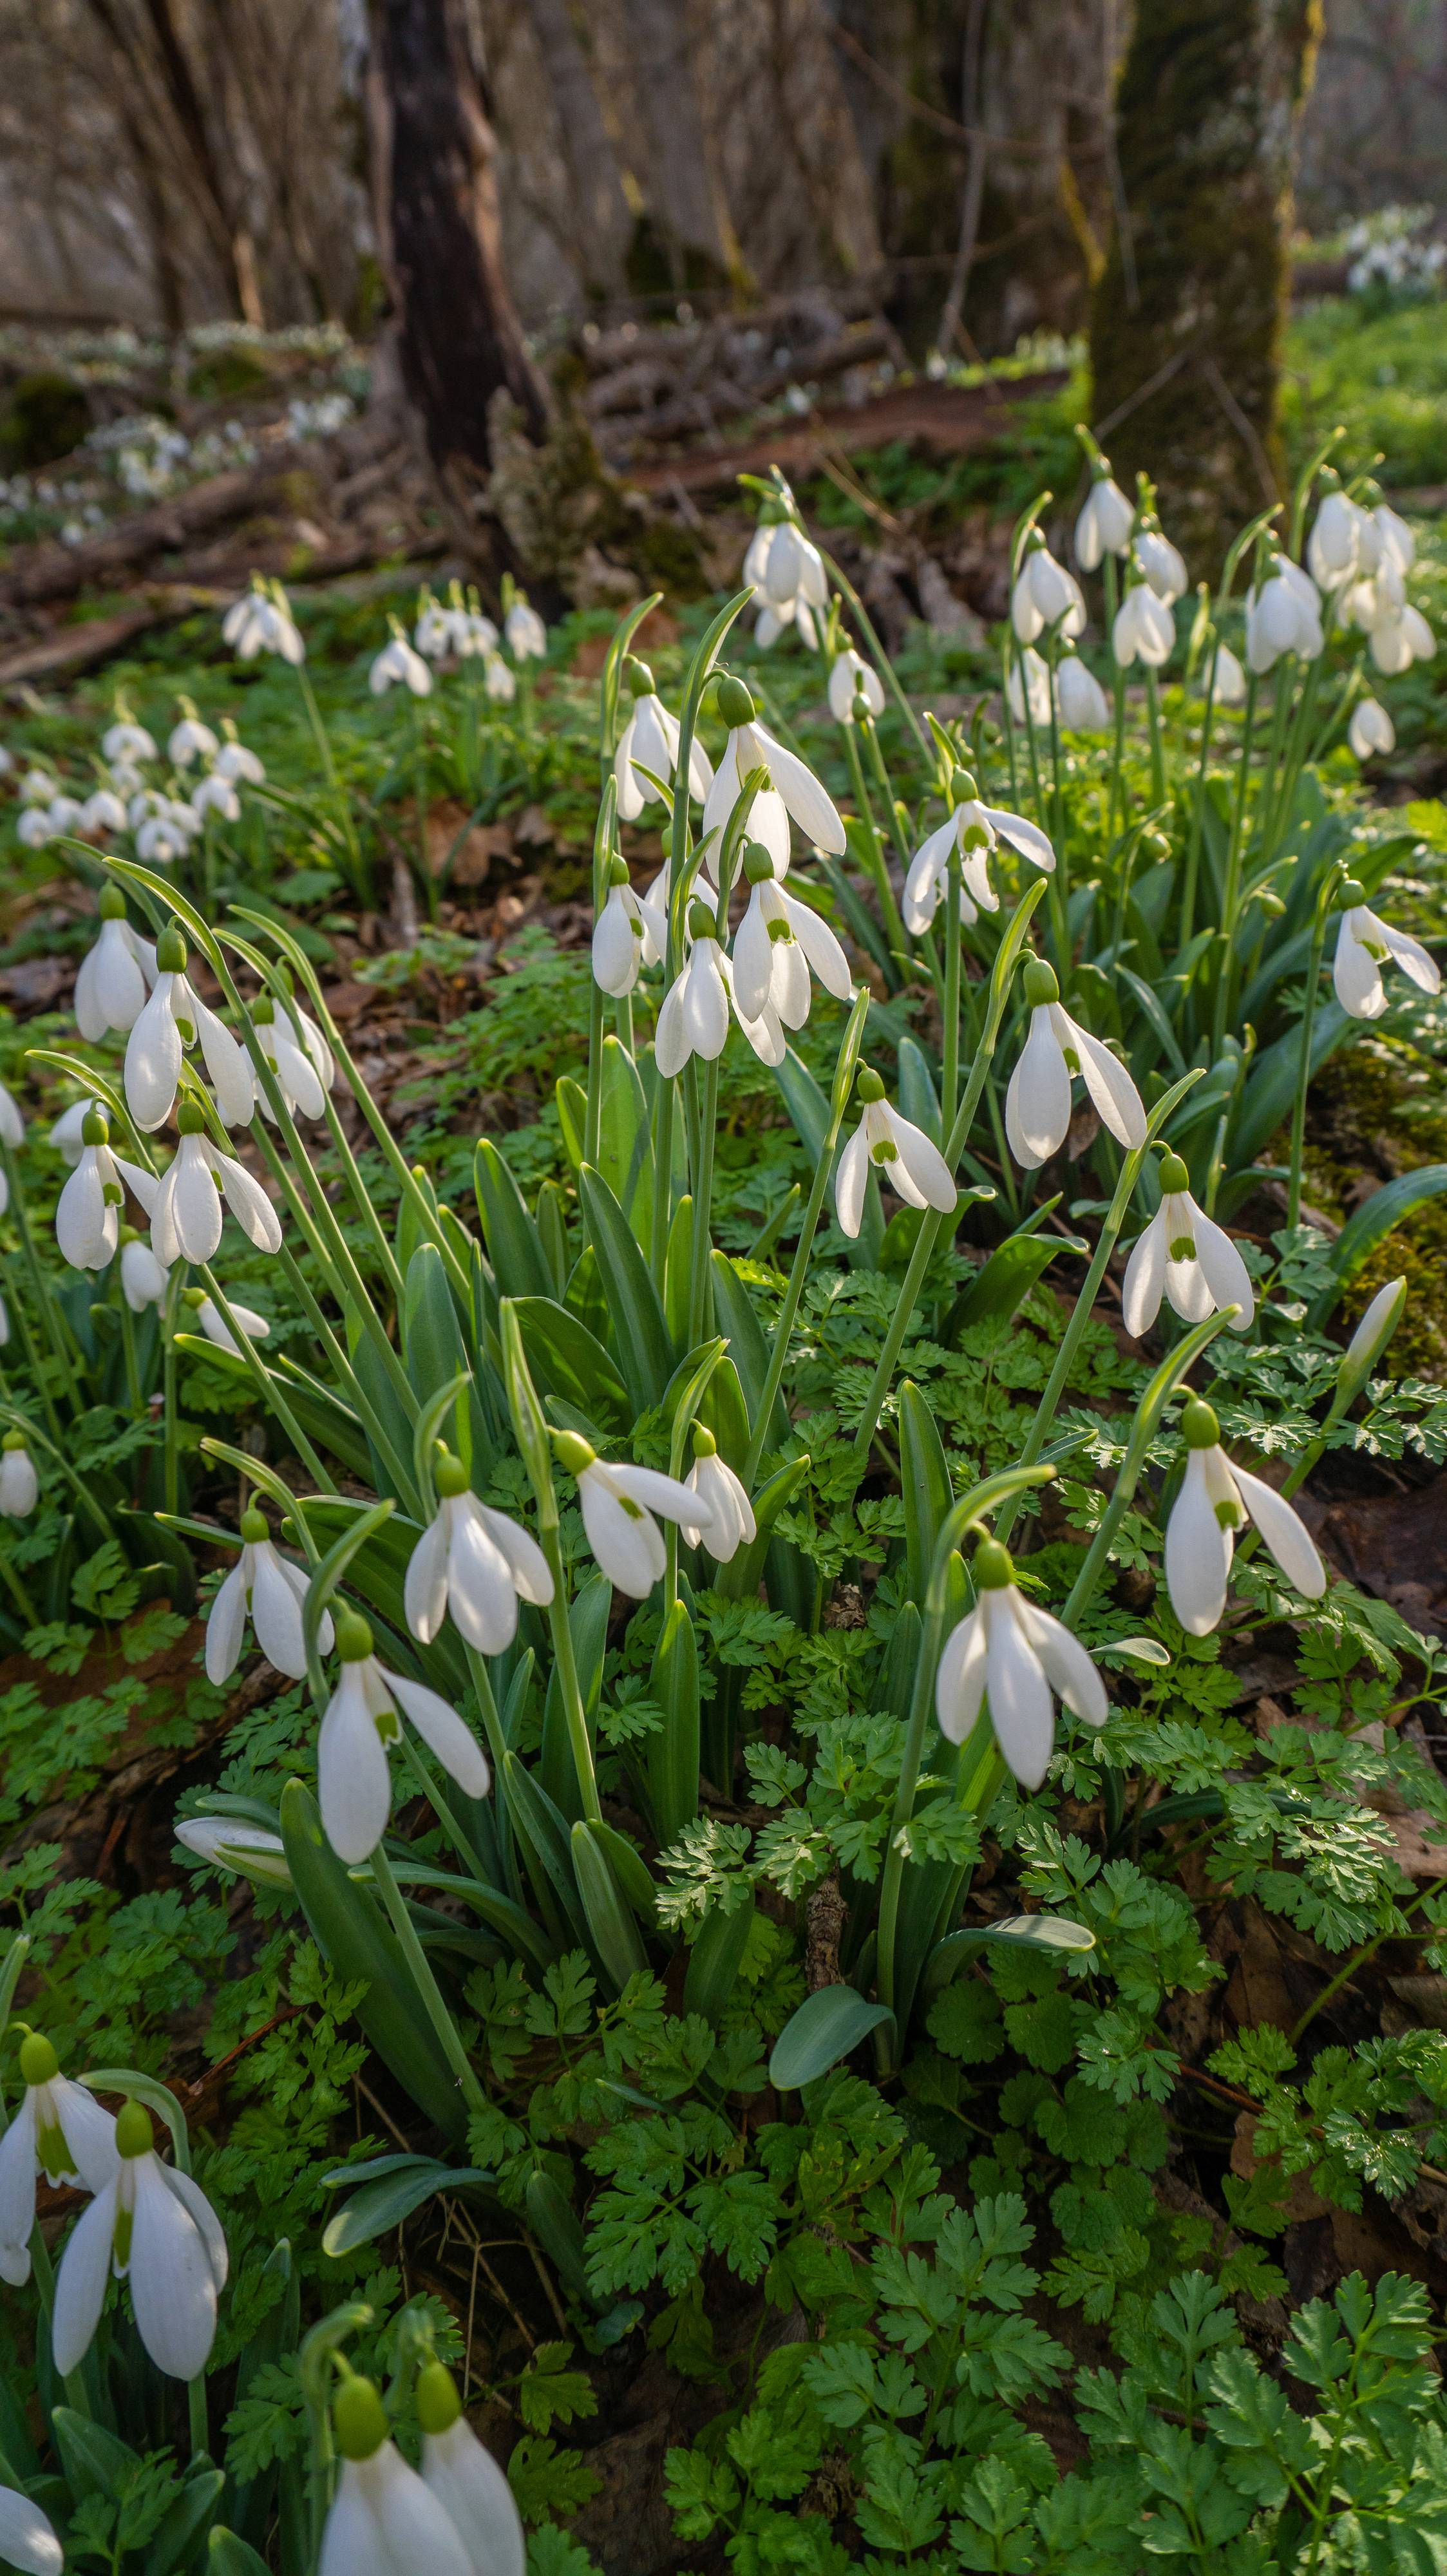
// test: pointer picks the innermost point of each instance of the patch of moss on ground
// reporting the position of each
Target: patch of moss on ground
(1378, 1111)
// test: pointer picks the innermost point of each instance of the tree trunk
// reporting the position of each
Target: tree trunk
(1189, 314)
(459, 336)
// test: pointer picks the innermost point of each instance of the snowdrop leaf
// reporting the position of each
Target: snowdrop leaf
(572, 1106)
(625, 1140)
(805, 1102)
(999, 1289)
(546, 1843)
(827, 2026)
(610, 1921)
(184, 2523)
(513, 1247)
(556, 2225)
(1376, 1218)
(673, 1753)
(588, 1627)
(228, 2555)
(714, 1961)
(1271, 1084)
(918, 1098)
(924, 1477)
(95, 2462)
(435, 1354)
(325, 1578)
(388, 2198)
(568, 1361)
(378, 1572)
(1052, 1933)
(645, 1353)
(739, 1323)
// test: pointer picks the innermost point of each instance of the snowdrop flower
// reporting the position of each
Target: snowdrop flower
(66, 1137)
(12, 1125)
(254, 1327)
(143, 1281)
(465, 2479)
(474, 635)
(1083, 704)
(974, 830)
(524, 633)
(851, 678)
(383, 2520)
(102, 812)
(1045, 596)
(126, 740)
(262, 1585)
(777, 944)
(260, 622)
(126, 779)
(1144, 629)
(1333, 550)
(175, 1018)
(296, 1028)
(649, 744)
(33, 829)
(1037, 1104)
(215, 795)
(88, 1213)
(1395, 641)
(364, 1716)
(499, 682)
(694, 1019)
(60, 2131)
(433, 631)
(233, 1843)
(187, 1215)
(191, 739)
(1371, 729)
(1105, 522)
(1364, 945)
(789, 571)
(1284, 616)
(397, 661)
(165, 838)
(234, 762)
(1216, 1499)
(1186, 1256)
(155, 2226)
(631, 932)
(4, 1324)
(36, 788)
(900, 1152)
(1163, 565)
(62, 815)
(292, 1063)
(19, 1484)
(27, 2536)
(474, 1562)
(116, 975)
(1226, 679)
(618, 1503)
(1028, 686)
(793, 789)
(713, 1480)
(1015, 1656)
(1394, 538)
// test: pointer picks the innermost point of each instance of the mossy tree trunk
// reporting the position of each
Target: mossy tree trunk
(1190, 311)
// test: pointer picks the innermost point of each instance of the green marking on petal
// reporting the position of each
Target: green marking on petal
(51, 2152)
(1228, 1514)
(1183, 1249)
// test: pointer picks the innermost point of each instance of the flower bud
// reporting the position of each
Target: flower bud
(253, 1526)
(134, 2133)
(1041, 987)
(438, 2403)
(735, 703)
(993, 1567)
(171, 951)
(354, 1637)
(359, 2419)
(1199, 1426)
(1369, 1341)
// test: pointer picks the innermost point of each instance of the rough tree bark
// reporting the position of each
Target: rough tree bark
(460, 340)
(1189, 313)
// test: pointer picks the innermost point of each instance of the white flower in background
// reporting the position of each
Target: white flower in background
(163, 839)
(499, 681)
(354, 1777)
(59, 2130)
(88, 1212)
(233, 1843)
(291, 1063)
(1371, 729)
(296, 1028)
(1364, 945)
(1083, 704)
(234, 762)
(465, 2479)
(173, 1019)
(648, 743)
(102, 811)
(213, 1323)
(1144, 629)
(215, 795)
(383, 2520)
(1037, 1104)
(27, 2536)
(398, 662)
(19, 1484)
(524, 633)
(36, 788)
(63, 815)
(1284, 616)
(974, 830)
(1028, 686)
(186, 1218)
(154, 2226)
(850, 677)
(1105, 522)
(788, 570)
(631, 932)
(143, 1281)
(1045, 596)
(777, 945)
(694, 1018)
(1334, 548)
(263, 1586)
(6, 763)
(1395, 641)
(433, 630)
(618, 1502)
(1216, 1499)
(901, 1153)
(1185, 1256)
(475, 1563)
(713, 1480)
(1226, 679)
(12, 1133)
(4, 1324)
(126, 779)
(33, 829)
(1015, 1656)
(1163, 565)
(125, 740)
(261, 622)
(793, 789)
(191, 739)
(115, 975)
(474, 634)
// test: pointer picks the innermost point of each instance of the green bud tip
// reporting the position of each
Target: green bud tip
(450, 1475)
(195, 1298)
(12, 1441)
(704, 1443)
(171, 952)
(617, 871)
(573, 1453)
(1350, 893)
(134, 2134)
(253, 1526)
(992, 1568)
(868, 1086)
(38, 2061)
(263, 1011)
(1174, 1176)
(359, 2419)
(640, 679)
(438, 2403)
(1041, 987)
(758, 866)
(702, 922)
(964, 787)
(95, 1128)
(112, 905)
(735, 703)
(1199, 1426)
(129, 1234)
(354, 1637)
(190, 1119)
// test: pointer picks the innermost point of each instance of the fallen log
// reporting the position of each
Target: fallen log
(952, 419)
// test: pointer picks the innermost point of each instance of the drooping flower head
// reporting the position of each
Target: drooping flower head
(363, 1717)
(19, 1484)
(383, 2519)
(1216, 1499)
(88, 1212)
(630, 933)
(152, 2225)
(788, 570)
(792, 791)
(263, 1587)
(190, 739)
(648, 750)
(1046, 599)
(261, 622)
(1184, 1255)
(187, 1215)
(59, 2130)
(972, 831)
(1106, 519)
(777, 945)
(855, 688)
(465, 2479)
(905, 1158)
(1144, 629)
(1037, 1103)
(475, 1563)
(396, 662)
(175, 1018)
(713, 1480)
(1015, 1656)
(1364, 945)
(618, 1501)
(1371, 729)
(524, 633)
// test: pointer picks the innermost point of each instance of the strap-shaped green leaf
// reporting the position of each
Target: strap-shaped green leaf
(1050, 1934)
(228, 2555)
(625, 1141)
(569, 1361)
(714, 1961)
(392, 2187)
(828, 2025)
(610, 1919)
(555, 2224)
(512, 1238)
(588, 1614)
(1000, 1287)
(924, 1477)
(673, 1753)
(185, 2523)
(735, 1318)
(544, 1835)
(641, 1338)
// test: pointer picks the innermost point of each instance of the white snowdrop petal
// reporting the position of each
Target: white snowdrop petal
(1024, 836)
(354, 1780)
(276, 1615)
(823, 951)
(1198, 1553)
(1067, 1667)
(851, 1173)
(185, 2188)
(444, 1732)
(627, 1543)
(80, 2282)
(153, 1059)
(415, 2526)
(1144, 1281)
(87, 1229)
(1356, 974)
(1413, 959)
(1021, 1711)
(27, 2536)
(351, 2543)
(248, 1202)
(923, 1161)
(1111, 1089)
(1037, 1103)
(17, 2193)
(424, 1589)
(1284, 1533)
(960, 1678)
(480, 1589)
(173, 2288)
(1225, 1272)
(473, 2492)
(195, 1204)
(810, 805)
(526, 1561)
(226, 1624)
(753, 960)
